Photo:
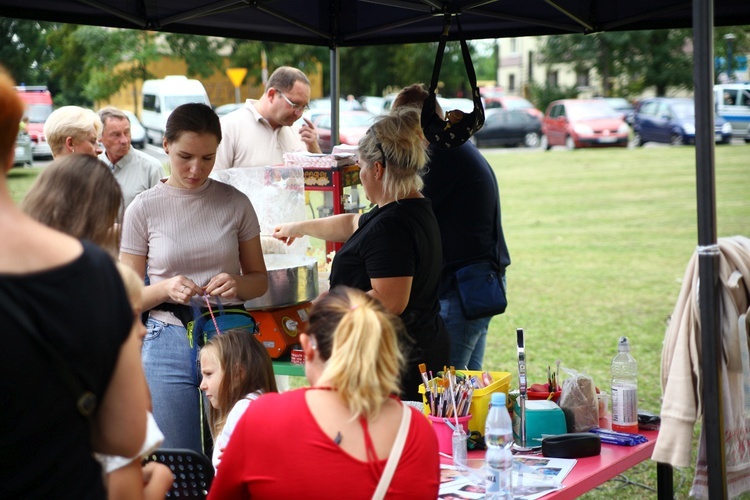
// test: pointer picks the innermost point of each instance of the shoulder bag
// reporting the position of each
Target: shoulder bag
(395, 456)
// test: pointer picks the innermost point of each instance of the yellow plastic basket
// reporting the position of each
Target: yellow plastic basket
(480, 401)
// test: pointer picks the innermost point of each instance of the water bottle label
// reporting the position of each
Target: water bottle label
(492, 481)
(624, 405)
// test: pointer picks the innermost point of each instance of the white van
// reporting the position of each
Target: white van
(161, 97)
(732, 102)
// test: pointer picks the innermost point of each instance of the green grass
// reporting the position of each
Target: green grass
(599, 241)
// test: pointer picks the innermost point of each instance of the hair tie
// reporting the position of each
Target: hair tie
(354, 307)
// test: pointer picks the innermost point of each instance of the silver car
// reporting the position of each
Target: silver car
(137, 132)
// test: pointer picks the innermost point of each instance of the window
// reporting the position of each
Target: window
(149, 102)
(511, 83)
(513, 45)
(582, 78)
(552, 78)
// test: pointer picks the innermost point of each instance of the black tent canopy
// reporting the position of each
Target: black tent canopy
(349, 23)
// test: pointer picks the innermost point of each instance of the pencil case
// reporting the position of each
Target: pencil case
(572, 445)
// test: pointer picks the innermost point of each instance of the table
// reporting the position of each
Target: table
(284, 366)
(591, 472)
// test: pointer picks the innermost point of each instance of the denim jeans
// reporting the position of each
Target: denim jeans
(468, 337)
(173, 375)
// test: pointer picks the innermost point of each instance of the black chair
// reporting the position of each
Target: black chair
(193, 472)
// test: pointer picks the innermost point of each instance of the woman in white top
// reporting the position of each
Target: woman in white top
(199, 239)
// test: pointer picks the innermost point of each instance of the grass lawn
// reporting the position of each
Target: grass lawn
(599, 242)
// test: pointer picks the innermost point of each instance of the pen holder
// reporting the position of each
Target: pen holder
(445, 434)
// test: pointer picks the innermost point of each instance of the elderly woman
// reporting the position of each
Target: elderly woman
(392, 252)
(71, 129)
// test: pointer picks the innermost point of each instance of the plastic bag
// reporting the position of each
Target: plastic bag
(578, 402)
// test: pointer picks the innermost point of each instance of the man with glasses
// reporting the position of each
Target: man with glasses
(263, 130)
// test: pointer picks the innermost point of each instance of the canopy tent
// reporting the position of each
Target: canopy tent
(340, 23)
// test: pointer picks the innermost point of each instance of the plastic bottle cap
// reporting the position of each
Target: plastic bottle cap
(623, 345)
(498, 398)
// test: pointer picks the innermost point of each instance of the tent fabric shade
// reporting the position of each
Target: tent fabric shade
(343, 23)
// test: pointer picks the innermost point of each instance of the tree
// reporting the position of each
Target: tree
(627, 62)
(24, 50)
(202, 54)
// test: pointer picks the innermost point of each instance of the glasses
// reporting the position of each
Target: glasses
(294, 105)
(377, 145)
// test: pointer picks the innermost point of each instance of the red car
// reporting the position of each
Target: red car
(583, 123)
(513, 102)
(352, 126)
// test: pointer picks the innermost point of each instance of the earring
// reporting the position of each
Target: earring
(313, 346)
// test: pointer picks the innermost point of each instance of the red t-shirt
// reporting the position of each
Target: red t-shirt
(278, 451)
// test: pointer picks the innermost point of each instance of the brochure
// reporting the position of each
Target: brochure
(533, 477)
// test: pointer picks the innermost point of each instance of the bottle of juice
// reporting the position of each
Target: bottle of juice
(624, 389)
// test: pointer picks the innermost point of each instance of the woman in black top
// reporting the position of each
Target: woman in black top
(392, 252)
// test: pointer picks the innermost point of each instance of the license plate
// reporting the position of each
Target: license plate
(608, 140)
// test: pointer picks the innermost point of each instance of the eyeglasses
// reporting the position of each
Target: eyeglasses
(377, 144)
(294, 105)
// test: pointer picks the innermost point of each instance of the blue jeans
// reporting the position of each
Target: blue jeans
(173, 375)
(468, 337)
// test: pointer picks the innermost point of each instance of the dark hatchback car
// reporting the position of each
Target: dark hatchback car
(671, 120)
(508, 127)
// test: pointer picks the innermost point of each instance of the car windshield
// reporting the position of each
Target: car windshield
(38, 113)
(356, 120)
(517, 104)
(618, 103)
(684, 110)
(590, 111)
(171, 102)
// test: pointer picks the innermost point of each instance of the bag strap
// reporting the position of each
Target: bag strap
(395, 456)
(86, 402)
(464, 51)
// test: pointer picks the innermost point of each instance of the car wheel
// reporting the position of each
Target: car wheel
(544, 143)
(531, 140)
(676, 139)
(570, 144)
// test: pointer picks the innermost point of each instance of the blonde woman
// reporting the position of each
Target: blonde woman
(393, 252)
(72, 129)
(344, 426)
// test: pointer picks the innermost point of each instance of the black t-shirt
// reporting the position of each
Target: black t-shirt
(83, 311)
(400, 239)
(465, 197)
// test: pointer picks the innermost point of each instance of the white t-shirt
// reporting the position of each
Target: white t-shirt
(234, 416)
(248, 140)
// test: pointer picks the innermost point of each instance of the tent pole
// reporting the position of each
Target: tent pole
(708, 251)
(335, 94)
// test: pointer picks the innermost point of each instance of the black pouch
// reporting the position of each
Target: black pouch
(458, 126)
(574, 445)
(480, 290)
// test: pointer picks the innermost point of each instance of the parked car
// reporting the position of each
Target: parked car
(732, 101)
(23, 155)
(513, 102)
(583, 123)
(672, 121)
(372, 103)
(621, 105)
(38, 101)
(352, 126)
(225, 109)
(508, 127)
(137, 132)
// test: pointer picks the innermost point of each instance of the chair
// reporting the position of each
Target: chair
(193, 472)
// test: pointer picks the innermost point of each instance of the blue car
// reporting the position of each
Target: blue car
(671, 120)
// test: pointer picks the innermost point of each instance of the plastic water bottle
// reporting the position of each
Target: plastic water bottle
(624, 389)
(498, 435)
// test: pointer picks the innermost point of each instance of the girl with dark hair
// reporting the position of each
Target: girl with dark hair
(197, 237)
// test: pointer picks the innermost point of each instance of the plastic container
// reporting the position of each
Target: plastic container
(480, 400)
(444, 432)
(624, 389)
(498, 436)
